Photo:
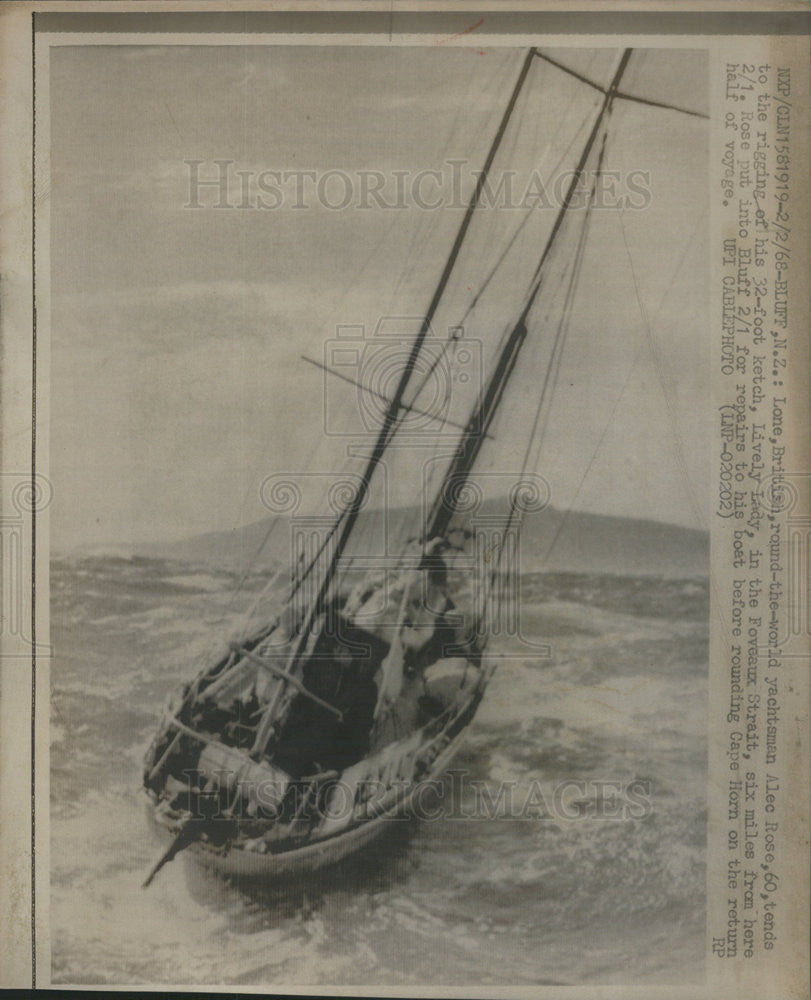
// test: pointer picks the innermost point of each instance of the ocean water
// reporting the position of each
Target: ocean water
(563, 880)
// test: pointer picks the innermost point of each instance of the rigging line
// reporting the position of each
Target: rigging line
(556, 357)
(574, 280)
(528, 215)
(554, 362)
(578, 171)
(490, 195)
(407, 407)
(414, 239)
(299, 579)
(484, 411)
(569, 276)
(571, 72)
(392, 412)
(562, 523)
(258, 551)
(565, 323)
(237, 590)
(372, 255)
(620, 94)
(682, 258)
(425, 234)
(301, 576)
(661, 104)
(298, 575)
(395, 414)
(661, 375)
(452, 338)
(500, 348)
(480, 183)
(565, 518)
(476, 298)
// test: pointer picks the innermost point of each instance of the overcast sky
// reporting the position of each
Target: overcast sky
(177, 384)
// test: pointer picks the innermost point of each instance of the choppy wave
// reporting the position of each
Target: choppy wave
(618, 696)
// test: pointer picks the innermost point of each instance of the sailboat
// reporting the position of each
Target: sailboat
(305, 738)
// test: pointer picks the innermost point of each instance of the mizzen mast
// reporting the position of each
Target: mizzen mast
(484, 411)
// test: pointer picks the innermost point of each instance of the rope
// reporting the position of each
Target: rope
(535, 439)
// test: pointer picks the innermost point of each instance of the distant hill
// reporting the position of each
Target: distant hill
(585, 543)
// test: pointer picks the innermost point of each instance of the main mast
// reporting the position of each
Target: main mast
(350, 515)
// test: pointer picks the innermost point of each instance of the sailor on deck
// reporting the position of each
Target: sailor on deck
(427, 631)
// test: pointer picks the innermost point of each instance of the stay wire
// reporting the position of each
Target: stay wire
(556, 357)
(527, 217)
